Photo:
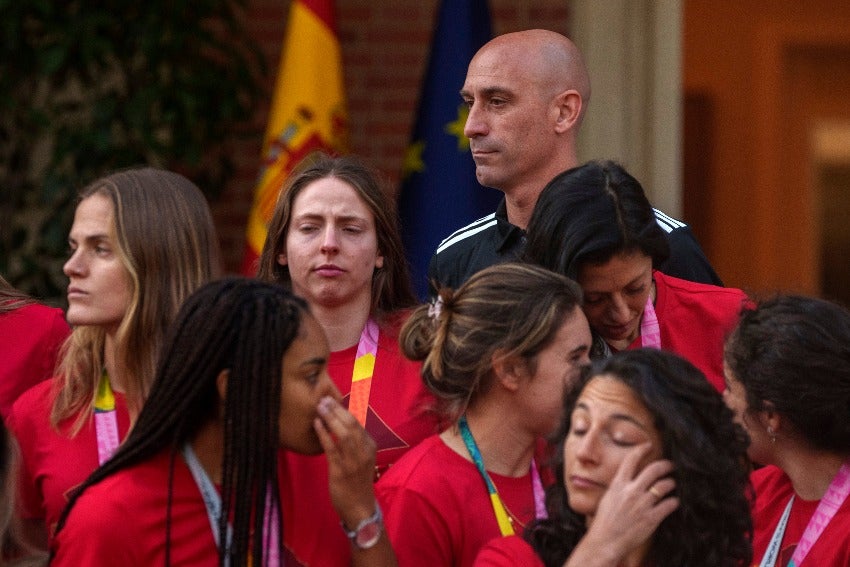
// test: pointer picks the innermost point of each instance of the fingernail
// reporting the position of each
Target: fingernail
(325, 405)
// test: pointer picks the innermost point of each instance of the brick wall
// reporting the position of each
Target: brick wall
(384, 46)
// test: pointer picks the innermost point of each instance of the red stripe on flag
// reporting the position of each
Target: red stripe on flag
(324, 10)
(250, 261)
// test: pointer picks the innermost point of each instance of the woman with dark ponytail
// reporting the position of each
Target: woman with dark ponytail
(197, 482)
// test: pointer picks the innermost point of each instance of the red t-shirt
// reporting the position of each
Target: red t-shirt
(400, 416)
(30, 338)
(52, 463)
(437, 509)
(694, 320)
(773, 490)
(511, 551)
(121, 520)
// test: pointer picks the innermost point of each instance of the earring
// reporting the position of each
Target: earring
(772, 434)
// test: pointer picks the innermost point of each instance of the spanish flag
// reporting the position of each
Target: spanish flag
(308, 111)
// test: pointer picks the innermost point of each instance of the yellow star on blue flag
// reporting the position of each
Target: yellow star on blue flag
(456, 128)
(413, 162)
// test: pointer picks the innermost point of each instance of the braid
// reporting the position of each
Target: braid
(234, 324)
(251, 434)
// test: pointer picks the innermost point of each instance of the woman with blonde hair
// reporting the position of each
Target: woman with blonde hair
(142, 240)
(499, 354)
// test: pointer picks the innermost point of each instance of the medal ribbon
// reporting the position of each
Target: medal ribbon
(212, 502)
(364, 367)
(499, 508)
(105, 420)
(835, 496)
(650, 332)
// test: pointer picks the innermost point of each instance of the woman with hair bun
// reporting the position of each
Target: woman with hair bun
(788, 382)
(499, 354)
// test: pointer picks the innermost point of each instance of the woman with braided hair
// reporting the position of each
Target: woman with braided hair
(242, 375)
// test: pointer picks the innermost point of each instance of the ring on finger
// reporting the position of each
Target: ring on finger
(654, 491)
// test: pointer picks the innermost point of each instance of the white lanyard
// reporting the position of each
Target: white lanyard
(211, 497)
(212, 502)
(772, 552)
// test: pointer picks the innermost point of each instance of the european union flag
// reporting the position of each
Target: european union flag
(439, 191)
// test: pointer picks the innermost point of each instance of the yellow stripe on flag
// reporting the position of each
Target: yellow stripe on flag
(308, 111)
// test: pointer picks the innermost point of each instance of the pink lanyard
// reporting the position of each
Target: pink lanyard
(650, 332)
(364, 368)
(835, 496)
(105, 420)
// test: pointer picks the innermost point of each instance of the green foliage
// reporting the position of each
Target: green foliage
(87, 87)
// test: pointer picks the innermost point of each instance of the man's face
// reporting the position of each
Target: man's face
(511, 122)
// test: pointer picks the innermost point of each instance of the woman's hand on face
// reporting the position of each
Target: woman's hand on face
(632, 508)
(351, 462)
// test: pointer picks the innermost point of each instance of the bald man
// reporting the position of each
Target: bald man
(527, 93)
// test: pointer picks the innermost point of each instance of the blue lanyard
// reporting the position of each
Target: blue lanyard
(499, 508)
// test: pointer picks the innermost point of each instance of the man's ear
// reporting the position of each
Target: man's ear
(569, 105)
(508, 370)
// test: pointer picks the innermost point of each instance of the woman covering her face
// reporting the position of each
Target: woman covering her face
(142, 240)
(499, 353)
(594, 224)
(334, 241)
(243, 374)
(788, 376)
(615, 503)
